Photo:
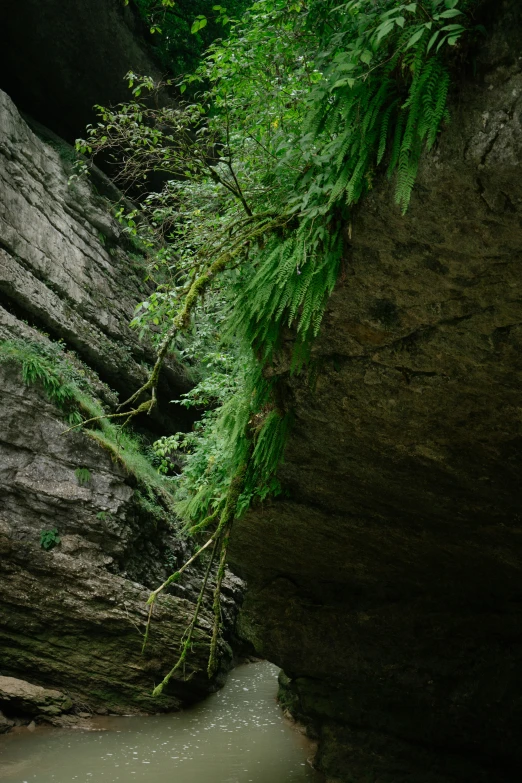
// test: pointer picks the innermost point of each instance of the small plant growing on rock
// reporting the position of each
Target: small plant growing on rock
(105, 516)
(49, 539)
(83, 475)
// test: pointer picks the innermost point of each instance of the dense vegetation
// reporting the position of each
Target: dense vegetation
(75, 390)
(293, 117)
(183, 29)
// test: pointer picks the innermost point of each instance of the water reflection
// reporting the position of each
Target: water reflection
(236, 736)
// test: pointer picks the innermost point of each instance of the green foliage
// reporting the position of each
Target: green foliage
(45, 365)
(245, 428)
(299, 110)
(148, 502)
(83, 476)
(294, 116)
(183, 29)
(126, 450)
(67, 384)
(49, 539)
(384, 89)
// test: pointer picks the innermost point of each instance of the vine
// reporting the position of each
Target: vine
(300, 109)
(71, 387)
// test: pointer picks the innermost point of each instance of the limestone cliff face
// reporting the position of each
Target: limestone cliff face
(73, 617)
(65, 265)
(387, 583)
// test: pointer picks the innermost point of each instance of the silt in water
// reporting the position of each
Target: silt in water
(237, 735)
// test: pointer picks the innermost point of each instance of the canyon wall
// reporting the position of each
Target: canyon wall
(386, 580)
(73, 617)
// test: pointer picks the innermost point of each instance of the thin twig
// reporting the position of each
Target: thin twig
(186, 644)
(175, 576)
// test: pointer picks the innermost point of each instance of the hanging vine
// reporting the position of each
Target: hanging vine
(300, 109)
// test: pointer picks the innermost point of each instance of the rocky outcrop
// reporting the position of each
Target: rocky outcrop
(5, 724)
(82, 540)
(20, 696)
(67, 267)
(74, 616)
(386, 581)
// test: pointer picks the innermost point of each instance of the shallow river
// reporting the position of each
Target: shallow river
(237, 735)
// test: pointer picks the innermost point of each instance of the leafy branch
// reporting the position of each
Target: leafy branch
(299, 111)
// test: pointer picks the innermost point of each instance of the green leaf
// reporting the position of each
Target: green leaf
(198, 24)
(415, 37)
(384, 29)
(432, 40)
(450, 13)
(343, 83)
(441, 42)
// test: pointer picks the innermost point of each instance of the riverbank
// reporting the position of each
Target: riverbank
(238, 734)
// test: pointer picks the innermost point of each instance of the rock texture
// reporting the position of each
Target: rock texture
(59, 59)
(67, 616)
(73, 617)
(65, 265)
(5, 724)
(387, 583)
(20, 696)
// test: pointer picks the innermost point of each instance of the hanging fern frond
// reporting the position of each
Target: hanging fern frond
(303, 107)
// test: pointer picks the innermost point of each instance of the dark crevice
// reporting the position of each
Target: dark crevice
(167, 417)
(30, 318)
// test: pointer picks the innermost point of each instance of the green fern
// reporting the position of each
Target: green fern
(311, 143)
(307, 104)
(40, 365)
(65, 382)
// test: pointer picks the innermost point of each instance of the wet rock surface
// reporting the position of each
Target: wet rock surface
(66, 266)
(73, 617)
(387, 582)
(21, 696)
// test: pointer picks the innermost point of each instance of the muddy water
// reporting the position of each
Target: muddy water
(236, 736)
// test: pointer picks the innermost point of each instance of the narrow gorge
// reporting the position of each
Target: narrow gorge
(381, 569)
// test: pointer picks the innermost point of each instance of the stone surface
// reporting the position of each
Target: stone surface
(66, 267)
(21, 696)
(5, 724)
(74, 617)
(59, 59)
(386, 582)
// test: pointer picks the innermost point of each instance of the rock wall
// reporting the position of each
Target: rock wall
(65, 265)
(387, 583)
(73, 617)
(57, 60)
